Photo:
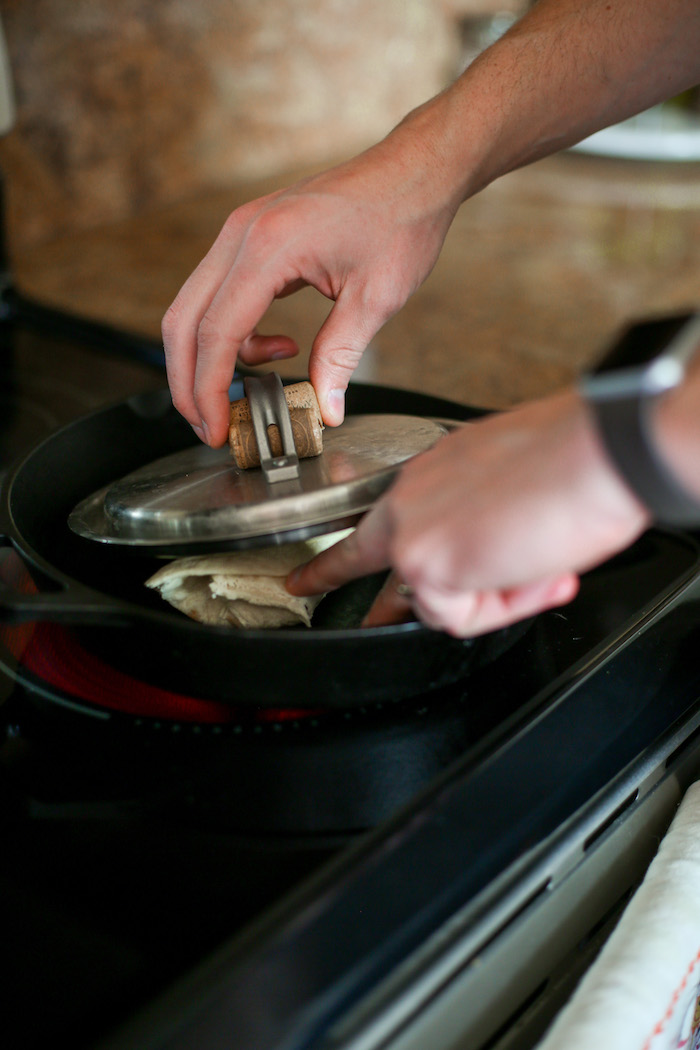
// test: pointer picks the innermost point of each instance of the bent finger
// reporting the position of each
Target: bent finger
(363, 552)
(228, 324)
(392, 605)
(180, 325)
(478, 612)
(258, 349)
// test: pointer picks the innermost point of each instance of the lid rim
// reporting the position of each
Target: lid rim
(137, 511)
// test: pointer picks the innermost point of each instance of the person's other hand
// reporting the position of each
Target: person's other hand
(365, 234)
(492, 525)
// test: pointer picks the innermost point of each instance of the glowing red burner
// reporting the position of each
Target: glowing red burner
(56, 657)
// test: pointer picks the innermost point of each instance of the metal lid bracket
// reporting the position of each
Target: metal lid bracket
(269, 408)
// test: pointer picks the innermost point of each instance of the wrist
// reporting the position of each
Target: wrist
(611, 497)
(563, 71)
(643, 397)
(676, 426)
(429, 143)
(456, 136)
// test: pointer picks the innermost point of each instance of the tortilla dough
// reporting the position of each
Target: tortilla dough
(241, 588)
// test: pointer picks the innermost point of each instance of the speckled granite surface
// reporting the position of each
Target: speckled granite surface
(537, 274)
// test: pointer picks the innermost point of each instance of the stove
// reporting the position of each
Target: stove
(437, 871)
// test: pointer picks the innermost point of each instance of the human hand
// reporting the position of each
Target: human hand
(364, 234)
(490, 526)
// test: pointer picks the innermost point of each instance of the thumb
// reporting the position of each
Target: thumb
(335, 354)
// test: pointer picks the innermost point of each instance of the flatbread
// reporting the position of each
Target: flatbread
(241, 588)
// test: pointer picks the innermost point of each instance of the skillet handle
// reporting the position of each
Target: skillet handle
(71, 603)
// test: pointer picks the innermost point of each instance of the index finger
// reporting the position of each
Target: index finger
(180, 326)
(190, 325)
(244, 294)
(363, 552)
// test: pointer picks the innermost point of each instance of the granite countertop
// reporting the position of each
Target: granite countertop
(537, 274)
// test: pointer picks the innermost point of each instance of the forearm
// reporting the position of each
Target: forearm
(565, 70)
(367, 233)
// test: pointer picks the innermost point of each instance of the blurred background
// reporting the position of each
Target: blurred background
(140, 124)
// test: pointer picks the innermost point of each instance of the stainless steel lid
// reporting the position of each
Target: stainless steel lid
(198, 498)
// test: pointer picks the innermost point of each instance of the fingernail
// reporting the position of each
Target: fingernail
(336, 405)
(200, 433)
(280, 354)
(205, 428)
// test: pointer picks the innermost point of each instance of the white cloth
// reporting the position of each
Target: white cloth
(642, 991)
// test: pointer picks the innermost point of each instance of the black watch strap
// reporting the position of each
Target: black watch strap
(625, 428)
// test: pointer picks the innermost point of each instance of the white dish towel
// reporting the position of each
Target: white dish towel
(642, 991)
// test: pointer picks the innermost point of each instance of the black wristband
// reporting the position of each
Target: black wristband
(648, 361)
(625, 428)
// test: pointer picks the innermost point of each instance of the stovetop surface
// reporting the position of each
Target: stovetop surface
(134, 846)
(47, 380)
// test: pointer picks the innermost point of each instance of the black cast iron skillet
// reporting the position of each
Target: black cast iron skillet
(99, 590)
